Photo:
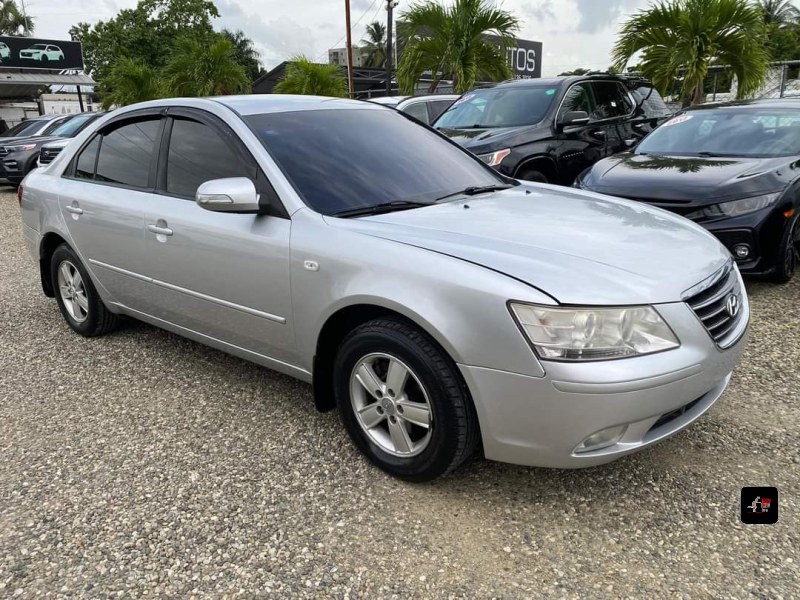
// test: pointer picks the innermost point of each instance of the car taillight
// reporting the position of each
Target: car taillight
(19, 194)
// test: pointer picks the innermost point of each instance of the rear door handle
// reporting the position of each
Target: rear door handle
(159, 230)
(75, 210)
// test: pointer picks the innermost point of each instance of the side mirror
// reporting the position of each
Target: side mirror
(231, 195)
(573, 117)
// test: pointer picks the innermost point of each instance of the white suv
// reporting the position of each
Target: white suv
(42, 52)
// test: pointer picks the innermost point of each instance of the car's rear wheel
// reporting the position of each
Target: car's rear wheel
(789, 253)
(532, 174)
(77, 298)
(403, 402)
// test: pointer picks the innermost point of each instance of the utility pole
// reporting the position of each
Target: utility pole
(390, 4)
(24, 20)
(349, 48)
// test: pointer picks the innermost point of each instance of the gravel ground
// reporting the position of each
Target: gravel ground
(143, 464)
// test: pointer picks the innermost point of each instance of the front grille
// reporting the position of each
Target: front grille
(47, 155)
(714, 305)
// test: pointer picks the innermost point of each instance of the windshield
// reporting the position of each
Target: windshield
(23, 129)
(346, 159)
(498, 107)
(71, 126)
(727, 132)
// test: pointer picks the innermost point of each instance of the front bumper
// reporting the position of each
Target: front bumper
(540, 421)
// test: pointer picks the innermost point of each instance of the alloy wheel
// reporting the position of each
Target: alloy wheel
(73, 291)
(391, 405)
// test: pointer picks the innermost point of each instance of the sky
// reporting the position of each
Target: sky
(575, 33)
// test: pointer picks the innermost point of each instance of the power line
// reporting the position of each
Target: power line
(336, 43)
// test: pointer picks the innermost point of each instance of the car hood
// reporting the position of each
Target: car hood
(578, 247)
(35, 139)
(492, 138)
(690, 179)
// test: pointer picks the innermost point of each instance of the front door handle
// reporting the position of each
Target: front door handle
(600, 133)
(629, 142)
(75, 210)
(159, 230)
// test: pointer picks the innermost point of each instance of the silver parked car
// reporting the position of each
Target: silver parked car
(423, 108)
(434, 301)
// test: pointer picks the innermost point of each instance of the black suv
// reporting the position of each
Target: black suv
(550, 130)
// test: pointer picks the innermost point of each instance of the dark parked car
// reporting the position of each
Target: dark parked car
(19, 156)
(550, 130)
(733, 168)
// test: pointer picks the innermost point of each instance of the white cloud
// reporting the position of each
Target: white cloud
(575, 33)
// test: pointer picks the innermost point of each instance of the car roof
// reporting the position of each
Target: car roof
(434, 97)
(765, 103)
(276, 103)
(388, 100)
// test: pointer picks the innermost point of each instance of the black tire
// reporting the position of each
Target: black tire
(532, 175)
(44, 58)
(788, 253)
(98, 320)
(454, 432)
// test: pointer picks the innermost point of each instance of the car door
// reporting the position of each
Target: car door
(103, 196)
(222, 275)
(579, 146)
(614, 110)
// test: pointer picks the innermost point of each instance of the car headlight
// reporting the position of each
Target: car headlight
(24, 148)
(580, 334)
(735, 208)
(494, 158)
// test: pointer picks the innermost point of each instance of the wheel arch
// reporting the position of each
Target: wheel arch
(50, 241)
(542, 163)
(341, 322)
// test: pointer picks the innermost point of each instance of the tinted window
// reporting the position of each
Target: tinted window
(84, 167)
(196, 154)
(418, 111)
(727, 132)
(71, 126)
(498, 107)
(24, 129)
(437, 107)
(579, 97)
(392, 158)
(651, 101)
(611, 100)
(126, 152)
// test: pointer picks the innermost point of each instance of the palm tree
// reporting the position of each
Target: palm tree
(778, 12)
(305, 77)
(12, 20)
(452, 41)
(130, 81)
(246, 53)
(686, 36)
(375, 45)
(205, 69)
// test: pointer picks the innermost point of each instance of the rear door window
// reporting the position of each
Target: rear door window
(126, 153)
(418, 110)
(437, 107)
(84, 166)
(612, 100)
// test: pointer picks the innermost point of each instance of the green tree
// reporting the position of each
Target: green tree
(450, 41)
(308, 78)
(784, 43)
(144, 33)
(246, 53)
(12, 21)
(686, 36)
(132, 81)
(375, 44)
(778, 12)
(203, 69)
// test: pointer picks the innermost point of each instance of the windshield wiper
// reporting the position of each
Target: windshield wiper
(383, 207)
(717, 155)
(474, 190)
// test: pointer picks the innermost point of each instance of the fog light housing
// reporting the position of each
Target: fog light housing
(741, 251)
(602, 439)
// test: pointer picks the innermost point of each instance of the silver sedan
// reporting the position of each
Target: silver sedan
(439, 305)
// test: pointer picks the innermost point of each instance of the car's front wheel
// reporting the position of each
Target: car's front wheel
(77, 298)
(402, 400)
(788, 253)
